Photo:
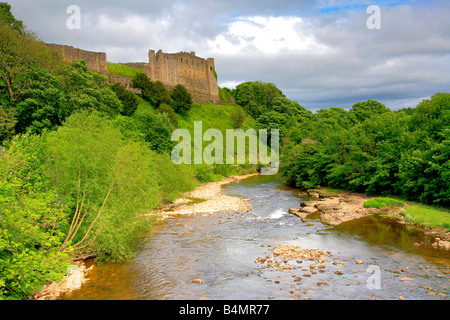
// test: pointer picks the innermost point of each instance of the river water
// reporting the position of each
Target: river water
(221, 249)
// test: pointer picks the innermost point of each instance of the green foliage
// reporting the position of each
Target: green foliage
(7, 123)
(156, 129)
(141, 81)
(365, 110)
(238, 118)
(252, 96)
(169, 112)
(173, 179)
(383, 203)
(18, 53)
(256, 97)
(40, 107)
(32, 221)
(85, 90)
(373, 150)
(129, 100)
(8, 19)
(154, 92)
(181, 99)
(120, 70)
(109, 182)
(225, 95)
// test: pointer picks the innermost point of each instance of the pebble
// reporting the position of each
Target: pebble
(197, 280)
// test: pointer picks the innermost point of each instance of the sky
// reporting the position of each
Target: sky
(320, 53)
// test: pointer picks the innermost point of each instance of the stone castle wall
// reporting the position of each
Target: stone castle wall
(194, 73)
(96, 61)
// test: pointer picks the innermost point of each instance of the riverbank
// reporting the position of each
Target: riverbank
(336, 206)
(208, 198)
(77, 274)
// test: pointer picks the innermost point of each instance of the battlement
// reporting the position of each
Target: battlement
(95, 61)
(194, 73)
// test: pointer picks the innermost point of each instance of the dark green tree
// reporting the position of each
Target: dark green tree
(181, 99)
(129, 100)
(168, 110)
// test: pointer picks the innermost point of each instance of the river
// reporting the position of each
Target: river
(221, 249)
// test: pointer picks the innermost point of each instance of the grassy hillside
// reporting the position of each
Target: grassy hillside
(120, 70)
(213, 116)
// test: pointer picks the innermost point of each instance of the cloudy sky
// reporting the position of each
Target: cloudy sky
(320, 53)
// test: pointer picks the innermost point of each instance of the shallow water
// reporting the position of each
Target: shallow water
(221, 249)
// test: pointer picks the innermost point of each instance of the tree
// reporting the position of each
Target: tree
(169, 112)
(159, 94)
(182, 99)
(364, 110)
(7, 123)
(86, 90)
(20, 50)
(8, 19)
(141, 81)
(238, 118)
(253, 97)
(32, 221)
(129, 100)
(40, 106)
(154, 92)
(157, 130)
(106, 181)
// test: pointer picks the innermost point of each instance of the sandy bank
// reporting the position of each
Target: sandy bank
(208, 198)
(76, 276)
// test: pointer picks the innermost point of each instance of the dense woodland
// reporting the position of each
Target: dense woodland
(83, 160)
(368, 148)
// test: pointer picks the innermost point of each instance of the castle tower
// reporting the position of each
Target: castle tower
(194, 73)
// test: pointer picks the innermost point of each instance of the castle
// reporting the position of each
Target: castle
(196, 74)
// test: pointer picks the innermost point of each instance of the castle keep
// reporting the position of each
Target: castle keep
(194, 73)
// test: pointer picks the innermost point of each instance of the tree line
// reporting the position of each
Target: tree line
(368, 148)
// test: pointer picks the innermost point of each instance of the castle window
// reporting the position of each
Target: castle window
(210, 68)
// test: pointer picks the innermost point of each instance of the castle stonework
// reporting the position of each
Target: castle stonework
(194, 73)
(95, 61)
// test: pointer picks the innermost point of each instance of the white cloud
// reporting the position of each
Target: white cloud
(267, 35)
